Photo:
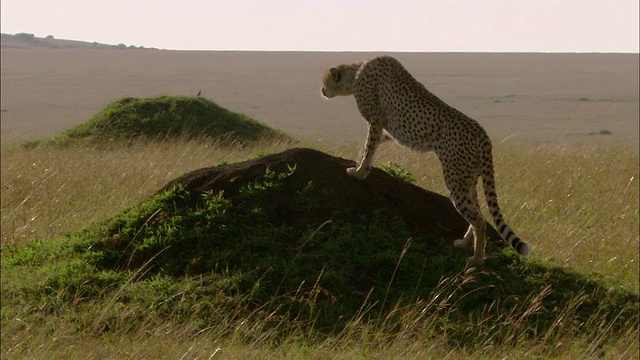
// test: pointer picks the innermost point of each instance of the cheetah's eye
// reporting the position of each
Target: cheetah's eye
(335, 73)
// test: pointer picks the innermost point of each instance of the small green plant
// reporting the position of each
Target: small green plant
(271, 180)
(398, 171)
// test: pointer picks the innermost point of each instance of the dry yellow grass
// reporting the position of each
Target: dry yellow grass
(246, 341)
(576, 205)
(48, 191)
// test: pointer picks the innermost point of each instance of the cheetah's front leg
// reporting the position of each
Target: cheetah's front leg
(370, 146)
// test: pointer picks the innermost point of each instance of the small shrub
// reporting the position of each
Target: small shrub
(398, 171)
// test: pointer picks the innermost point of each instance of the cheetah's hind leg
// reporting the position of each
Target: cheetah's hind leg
(465, 199)
(478, 230)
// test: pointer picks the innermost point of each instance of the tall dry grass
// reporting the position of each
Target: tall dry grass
(412, 332)
(576, 205)
(48, 191)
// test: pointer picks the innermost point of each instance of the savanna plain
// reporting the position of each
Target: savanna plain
(565, 132)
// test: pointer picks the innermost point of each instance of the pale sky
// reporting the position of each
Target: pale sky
(336, 25)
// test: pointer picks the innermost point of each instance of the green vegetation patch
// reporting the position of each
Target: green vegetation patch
(255, 254)
(168, 117)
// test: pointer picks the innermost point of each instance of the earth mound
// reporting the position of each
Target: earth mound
(292, 222)
(169, 117)
(426, 214)
(293, 231)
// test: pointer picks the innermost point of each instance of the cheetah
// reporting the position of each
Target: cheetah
(398, 107)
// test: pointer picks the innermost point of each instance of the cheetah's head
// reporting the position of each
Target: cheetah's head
(338, 80)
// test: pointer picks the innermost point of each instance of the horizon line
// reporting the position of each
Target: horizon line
(144, 47)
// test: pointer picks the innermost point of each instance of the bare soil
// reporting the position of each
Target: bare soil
(522, 97)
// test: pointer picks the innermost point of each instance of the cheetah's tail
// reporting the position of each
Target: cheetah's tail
(488, 183)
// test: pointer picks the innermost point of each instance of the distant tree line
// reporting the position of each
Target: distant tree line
(31, 38)
(26, 36)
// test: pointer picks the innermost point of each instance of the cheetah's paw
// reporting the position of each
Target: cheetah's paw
(461, 244)
(361, 174)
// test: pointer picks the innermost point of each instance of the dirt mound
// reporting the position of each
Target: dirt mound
(291, 225)
(171, 117)
(426, 214)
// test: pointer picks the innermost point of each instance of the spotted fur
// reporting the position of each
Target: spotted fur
(398, 107)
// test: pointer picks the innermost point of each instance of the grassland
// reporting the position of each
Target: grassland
(576, 205)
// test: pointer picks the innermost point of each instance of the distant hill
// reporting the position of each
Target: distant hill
(26, 40)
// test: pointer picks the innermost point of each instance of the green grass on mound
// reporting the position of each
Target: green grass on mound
(223, 260)
(168, 117)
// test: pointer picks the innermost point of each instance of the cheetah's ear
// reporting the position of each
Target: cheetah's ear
(335, 74)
